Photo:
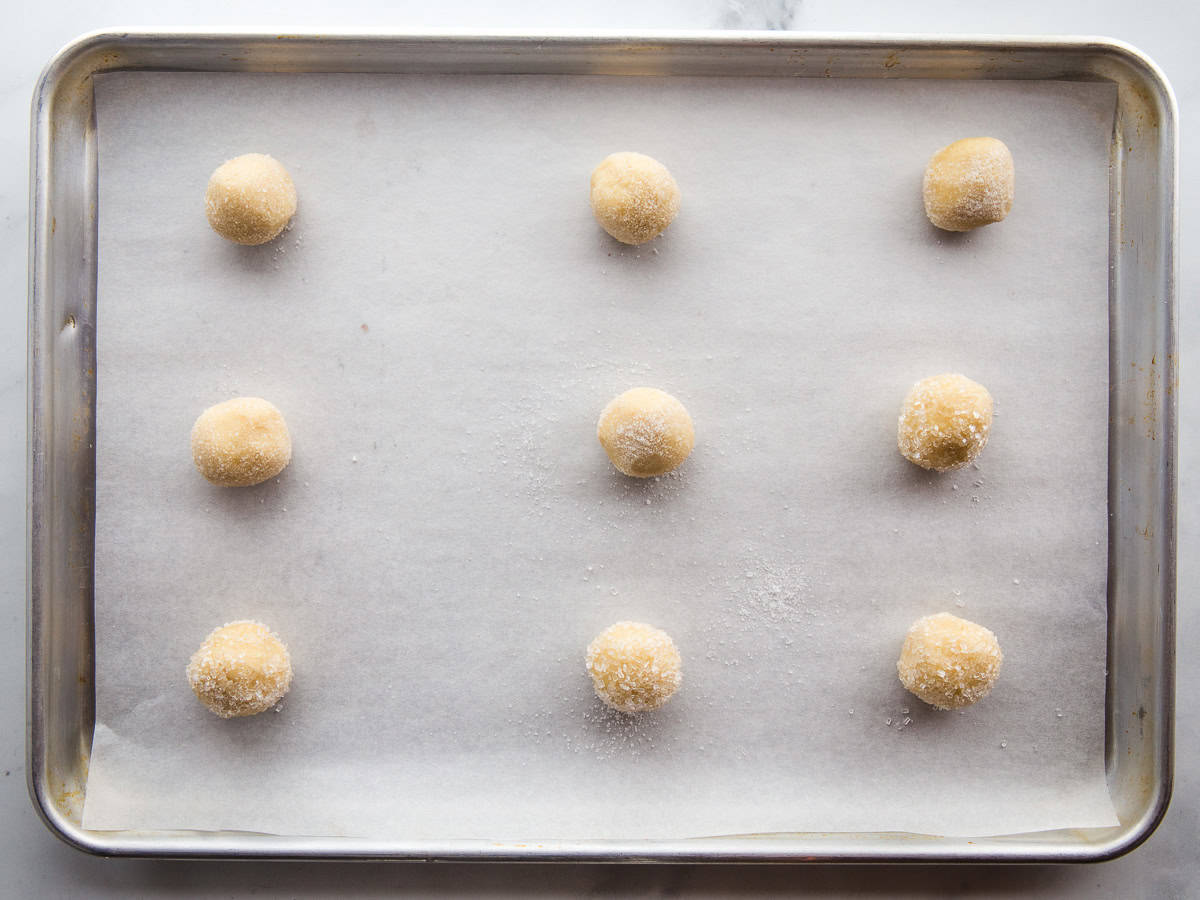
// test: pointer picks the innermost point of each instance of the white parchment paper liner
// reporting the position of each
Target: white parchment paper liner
(442, 325)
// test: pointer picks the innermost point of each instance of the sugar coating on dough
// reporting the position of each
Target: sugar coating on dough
(944, 422)
(250, 199)
(949, 662)
(634, 197)
(241, 442)
(968, 184)
(646, 432)
(634, 667)
(241, 669)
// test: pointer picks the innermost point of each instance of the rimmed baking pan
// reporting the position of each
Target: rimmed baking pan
(1141, 433)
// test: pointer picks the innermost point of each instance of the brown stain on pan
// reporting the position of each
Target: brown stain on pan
(1150, 417)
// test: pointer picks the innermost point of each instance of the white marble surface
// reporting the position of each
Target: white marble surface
(35, 864)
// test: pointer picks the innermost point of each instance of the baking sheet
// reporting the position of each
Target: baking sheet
(441, 327)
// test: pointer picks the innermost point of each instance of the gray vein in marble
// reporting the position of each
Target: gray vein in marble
(754, 15)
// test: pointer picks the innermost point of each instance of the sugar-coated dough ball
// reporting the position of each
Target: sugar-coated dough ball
(646, 432)
(944, 422)
(949, 662)
(241, 669)
(634, 667)
(968, 184)
(250, 199)
(240, 442)
(634, 197)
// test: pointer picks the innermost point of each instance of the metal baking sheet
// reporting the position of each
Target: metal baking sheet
(894, 65)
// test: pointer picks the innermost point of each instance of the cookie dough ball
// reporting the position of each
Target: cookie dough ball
(968, 184)
(241, 669)
(634, 197)
(945, 422)
(949, 662)
(634, 667)
(646, 432)
(250, 199)
(241, 442)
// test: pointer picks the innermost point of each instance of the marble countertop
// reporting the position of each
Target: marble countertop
(37, 865)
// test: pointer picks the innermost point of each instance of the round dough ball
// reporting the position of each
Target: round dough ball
(634, 667)
(634, 197)
(949, 662)
(241, 669)
(240, 442)
(944, 422)
(968, 184)
(250, 199)
(646, 432)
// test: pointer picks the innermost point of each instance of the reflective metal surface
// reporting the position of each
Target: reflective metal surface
(1142, 430)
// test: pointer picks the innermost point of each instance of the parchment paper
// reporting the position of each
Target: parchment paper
(441, 327)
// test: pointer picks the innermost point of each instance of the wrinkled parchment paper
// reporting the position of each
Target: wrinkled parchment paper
(441, 326)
